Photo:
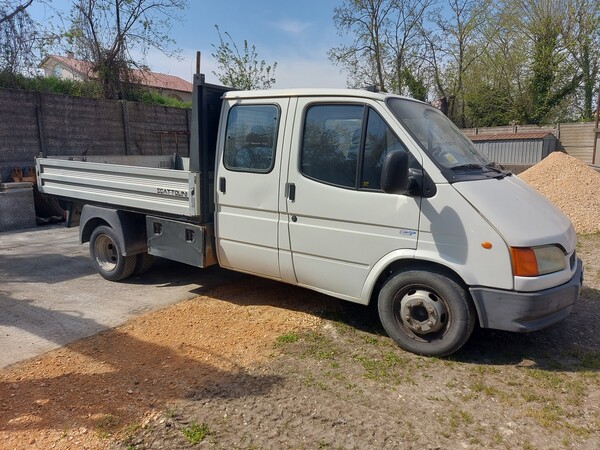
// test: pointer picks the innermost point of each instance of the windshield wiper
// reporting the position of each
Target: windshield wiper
(495, 167)
(491, 167)
(470, 166)
(499, 168)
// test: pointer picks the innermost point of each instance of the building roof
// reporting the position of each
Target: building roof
(508, 136)
(144, 77)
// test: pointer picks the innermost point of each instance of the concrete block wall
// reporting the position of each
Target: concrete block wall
(17, 209)
(34, 123)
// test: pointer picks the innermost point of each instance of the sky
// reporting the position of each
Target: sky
(295, 34)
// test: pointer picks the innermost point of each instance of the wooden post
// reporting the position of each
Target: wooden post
(39, 114)
(126, 131)
(596, 128)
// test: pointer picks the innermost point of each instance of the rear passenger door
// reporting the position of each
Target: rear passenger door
(247, 208)
(340, 222)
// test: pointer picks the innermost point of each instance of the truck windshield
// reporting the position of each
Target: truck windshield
(446, 145)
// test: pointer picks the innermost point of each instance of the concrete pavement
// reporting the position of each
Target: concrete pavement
(50, 294)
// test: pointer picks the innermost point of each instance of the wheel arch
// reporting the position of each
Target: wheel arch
(130, 228)
(391, 267)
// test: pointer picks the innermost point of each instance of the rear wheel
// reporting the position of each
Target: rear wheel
(143, 262)
(426, 312)
(107, 255)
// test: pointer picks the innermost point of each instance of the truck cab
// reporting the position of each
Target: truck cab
(371, 197)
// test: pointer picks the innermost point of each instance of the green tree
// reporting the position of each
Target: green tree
(454, 44)
(553, 77)
(496, 83)
(386, 41)
(107, 32)
(405, 44)
(365, 59)
(542, 65)
(582, 33)
(241, 69)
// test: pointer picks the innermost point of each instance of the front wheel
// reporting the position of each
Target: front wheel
(426, 312)
(107, 255)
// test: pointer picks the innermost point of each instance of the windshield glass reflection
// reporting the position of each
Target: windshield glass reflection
(438, 136)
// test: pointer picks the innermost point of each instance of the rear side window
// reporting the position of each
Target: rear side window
(345, 145)
(251, 138)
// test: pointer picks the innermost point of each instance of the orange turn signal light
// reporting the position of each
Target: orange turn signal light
(524, 263)
(487, 245)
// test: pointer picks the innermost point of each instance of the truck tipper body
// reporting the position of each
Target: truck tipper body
(367, 197)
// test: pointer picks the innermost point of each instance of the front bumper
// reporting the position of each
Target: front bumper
(523, 312)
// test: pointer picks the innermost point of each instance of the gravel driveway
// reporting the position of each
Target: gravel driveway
(257, 364)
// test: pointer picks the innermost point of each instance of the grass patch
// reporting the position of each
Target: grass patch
(319, 346)
(105, 425)
(287, 338)
(382, 369)
(311, 381)
(129, 433)
(371, 340)
(482, 388)
(548, 416)
(194, 433)
(458, 418)
(590, 360)
(531, 397)
(548, 380)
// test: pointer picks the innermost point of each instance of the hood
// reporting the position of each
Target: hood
(521, 215)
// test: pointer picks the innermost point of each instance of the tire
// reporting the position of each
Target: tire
(107, 255)
(143, 262)
(426, 312)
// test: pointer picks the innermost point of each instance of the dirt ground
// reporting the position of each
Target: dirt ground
(257, 364)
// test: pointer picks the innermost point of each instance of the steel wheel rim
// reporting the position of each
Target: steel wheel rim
(408, 328)
(107, 255)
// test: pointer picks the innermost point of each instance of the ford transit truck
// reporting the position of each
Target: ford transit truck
(369, 197)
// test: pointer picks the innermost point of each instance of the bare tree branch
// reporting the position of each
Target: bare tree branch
(19, 9)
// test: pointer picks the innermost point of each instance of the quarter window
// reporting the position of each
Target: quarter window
(251, 138)
(380, 141)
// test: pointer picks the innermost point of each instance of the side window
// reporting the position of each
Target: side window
(251, 138)
(331, 143)
(380, 141)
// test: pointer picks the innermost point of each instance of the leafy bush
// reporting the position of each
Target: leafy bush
(87, 89)
(53, 85)
(145, 96)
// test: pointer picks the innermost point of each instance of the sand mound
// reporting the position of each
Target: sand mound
(571, 185)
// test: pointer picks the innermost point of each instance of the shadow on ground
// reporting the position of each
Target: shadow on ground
(559, 347)
(116, 376)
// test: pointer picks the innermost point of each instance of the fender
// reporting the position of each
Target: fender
(410, 257)
(379, 267)
(130, 228)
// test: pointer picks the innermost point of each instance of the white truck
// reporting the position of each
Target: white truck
(363, 196)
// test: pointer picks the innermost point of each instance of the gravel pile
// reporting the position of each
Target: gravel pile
(571, 185)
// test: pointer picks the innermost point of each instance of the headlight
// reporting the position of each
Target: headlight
(534, 261)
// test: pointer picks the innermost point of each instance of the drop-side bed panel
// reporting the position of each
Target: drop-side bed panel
(140, 188)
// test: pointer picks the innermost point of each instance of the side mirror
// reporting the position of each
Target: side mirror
(394, 174)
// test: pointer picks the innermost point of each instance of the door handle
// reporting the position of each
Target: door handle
(222, 184)
(291, 192)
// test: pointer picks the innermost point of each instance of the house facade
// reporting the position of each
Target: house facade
(70, 68)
